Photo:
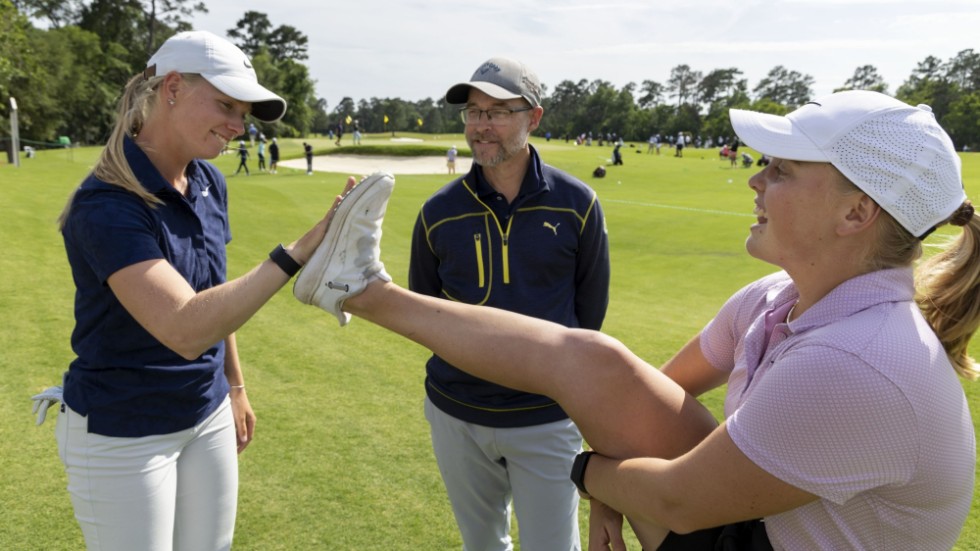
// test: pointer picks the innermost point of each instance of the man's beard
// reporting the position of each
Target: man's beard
(505, 149)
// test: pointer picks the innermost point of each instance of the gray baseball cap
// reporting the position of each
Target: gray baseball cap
(500, 78)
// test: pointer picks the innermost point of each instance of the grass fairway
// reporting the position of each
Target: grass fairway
(341, 457)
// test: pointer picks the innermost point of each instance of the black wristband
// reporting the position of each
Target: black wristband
(578, 470)
(284, 261)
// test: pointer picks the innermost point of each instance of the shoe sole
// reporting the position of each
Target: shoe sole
(308, 282)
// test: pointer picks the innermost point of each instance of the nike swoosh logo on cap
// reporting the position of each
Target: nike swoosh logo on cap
(247, 64)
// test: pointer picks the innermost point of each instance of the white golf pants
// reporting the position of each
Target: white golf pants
(170, 492)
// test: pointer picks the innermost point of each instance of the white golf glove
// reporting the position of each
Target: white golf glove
(47, 398)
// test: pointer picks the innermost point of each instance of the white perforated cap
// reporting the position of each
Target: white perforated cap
(896, 153)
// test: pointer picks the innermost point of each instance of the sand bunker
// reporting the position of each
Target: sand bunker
(365, 164)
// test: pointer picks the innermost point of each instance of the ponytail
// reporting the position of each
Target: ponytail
(112, 167)
(948, 291)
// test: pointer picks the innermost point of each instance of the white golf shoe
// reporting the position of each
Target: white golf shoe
(348, 258)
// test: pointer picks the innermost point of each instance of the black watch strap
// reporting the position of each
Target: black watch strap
(578, 470)
(284, 261)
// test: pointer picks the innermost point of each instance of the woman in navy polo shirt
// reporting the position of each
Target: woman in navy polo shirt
(154, 405)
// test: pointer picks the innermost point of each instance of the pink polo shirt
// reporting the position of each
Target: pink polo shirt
(854, 401)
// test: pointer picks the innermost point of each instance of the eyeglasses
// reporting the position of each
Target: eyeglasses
(497, 116)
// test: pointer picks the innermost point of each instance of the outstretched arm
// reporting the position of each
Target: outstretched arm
(188, 322)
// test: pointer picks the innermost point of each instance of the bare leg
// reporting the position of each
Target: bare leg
(623, 406)
(611, 393)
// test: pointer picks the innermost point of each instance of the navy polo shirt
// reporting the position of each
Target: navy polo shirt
(124, 380)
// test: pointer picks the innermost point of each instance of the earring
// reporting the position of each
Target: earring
(172, 101)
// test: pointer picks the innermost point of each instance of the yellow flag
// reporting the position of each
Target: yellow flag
(348, 119)
(386, 119)
(420, 122)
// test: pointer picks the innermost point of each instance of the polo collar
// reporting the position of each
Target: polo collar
(149, 177)
(154, 182)
(852, 296)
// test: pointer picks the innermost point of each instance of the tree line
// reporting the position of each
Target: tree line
(67, 76)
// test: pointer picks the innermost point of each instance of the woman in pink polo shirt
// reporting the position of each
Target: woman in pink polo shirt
(845, 423)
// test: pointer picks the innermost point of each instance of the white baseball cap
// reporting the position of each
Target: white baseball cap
(896, 153)
(222, 64)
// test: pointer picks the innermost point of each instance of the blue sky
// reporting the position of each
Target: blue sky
(417, 49)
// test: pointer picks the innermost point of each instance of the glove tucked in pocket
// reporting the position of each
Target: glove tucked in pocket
(47, 398)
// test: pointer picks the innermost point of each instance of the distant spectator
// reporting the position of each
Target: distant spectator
(273, 156)
(252, 133)
(451, 159)
(617, 156)
(747, 160)
(243, 158)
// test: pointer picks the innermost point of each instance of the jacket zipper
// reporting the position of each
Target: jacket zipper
(481, 276)
(505, 251)
(504, 239)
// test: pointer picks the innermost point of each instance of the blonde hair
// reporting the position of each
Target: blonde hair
(135, 105)
(947, 284)
(948, 291)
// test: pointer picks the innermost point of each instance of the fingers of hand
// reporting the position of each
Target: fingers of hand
(41, 408)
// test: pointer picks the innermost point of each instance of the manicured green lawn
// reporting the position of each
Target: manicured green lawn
(341, 458)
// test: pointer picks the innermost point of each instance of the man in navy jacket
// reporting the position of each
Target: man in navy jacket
(517, 234)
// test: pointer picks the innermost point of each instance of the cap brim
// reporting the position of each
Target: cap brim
(266, 106)
(774, 136)
(460, 93)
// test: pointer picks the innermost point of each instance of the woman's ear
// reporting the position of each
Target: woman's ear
(171, 86)
(861, 213)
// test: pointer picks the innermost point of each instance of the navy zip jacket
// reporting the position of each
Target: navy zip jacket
(545, 255)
